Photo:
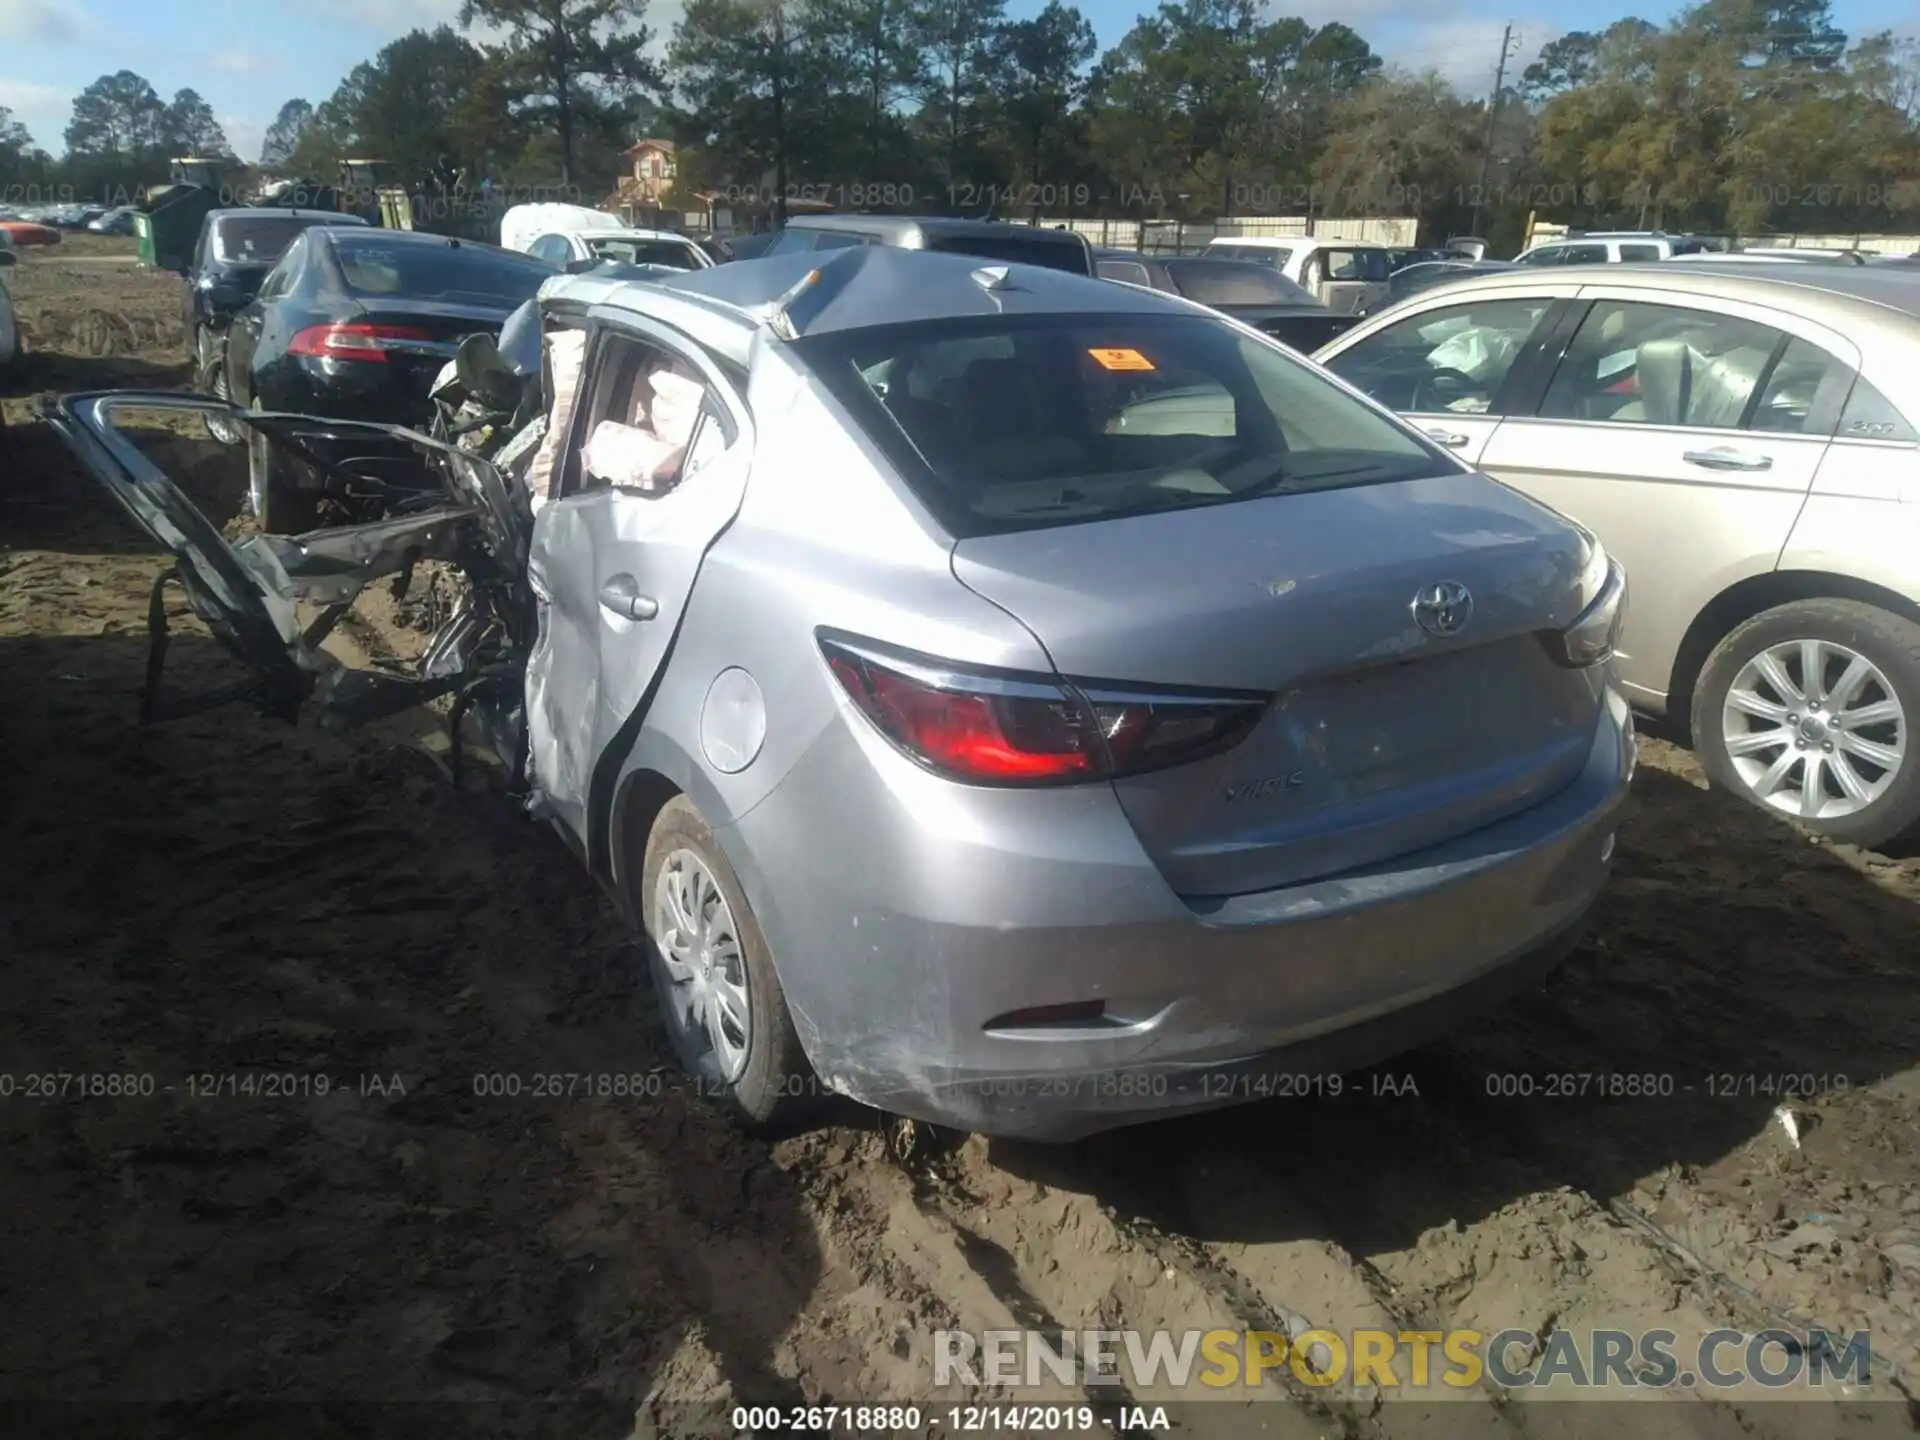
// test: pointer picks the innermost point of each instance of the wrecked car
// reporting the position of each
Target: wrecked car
(1011, 700)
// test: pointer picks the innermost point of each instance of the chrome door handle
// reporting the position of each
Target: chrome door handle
(1726, 458)
(1452, 439)
(622, 596)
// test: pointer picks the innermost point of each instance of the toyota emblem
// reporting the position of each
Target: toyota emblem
(1443, 609)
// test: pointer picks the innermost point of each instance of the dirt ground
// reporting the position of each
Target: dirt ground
(231, 896)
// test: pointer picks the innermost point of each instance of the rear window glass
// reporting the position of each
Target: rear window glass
(1632, 253)
(1065, 254)
(1267, 255)
(438, 272)
(256, 241)
(1014, 423)
(1234, 282)
(647, 252)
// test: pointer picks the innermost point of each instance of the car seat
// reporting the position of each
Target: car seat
(1723, 386)
(1664, 371)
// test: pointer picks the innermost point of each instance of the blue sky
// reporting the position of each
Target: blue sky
(247, 56)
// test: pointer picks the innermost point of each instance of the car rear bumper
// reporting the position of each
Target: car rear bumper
(914, 972)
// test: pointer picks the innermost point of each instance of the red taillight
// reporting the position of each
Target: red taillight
(351, 342)
(993, 729)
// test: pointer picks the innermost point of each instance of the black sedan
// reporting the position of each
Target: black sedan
(235, 251)
(355, 323)
(1256, 295)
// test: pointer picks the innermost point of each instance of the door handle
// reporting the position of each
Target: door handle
(1725, 458)
(622, 596)
(1452, 439)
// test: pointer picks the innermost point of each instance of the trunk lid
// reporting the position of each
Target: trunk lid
(1382, 739)
(418, 362)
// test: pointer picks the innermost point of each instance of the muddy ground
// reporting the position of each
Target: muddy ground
(231, 896)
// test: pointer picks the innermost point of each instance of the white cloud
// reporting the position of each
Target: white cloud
(43, 109)
(46, 22)
(1467, 52)
(242, 62)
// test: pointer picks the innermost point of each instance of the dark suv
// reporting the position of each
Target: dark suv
(989, 239)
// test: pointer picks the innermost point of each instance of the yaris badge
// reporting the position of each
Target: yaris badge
(1443, 609)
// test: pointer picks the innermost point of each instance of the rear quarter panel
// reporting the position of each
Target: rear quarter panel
(1862, 518)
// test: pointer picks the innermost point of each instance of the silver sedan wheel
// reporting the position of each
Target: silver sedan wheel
(1814, 729)
(706, 999)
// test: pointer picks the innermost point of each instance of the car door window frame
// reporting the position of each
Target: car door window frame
(1823, 416)
(723, 404)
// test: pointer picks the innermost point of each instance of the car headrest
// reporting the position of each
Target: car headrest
(1664, 370)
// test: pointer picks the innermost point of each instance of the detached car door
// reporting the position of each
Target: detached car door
(1687, 439)
(248, 591)
(1449, 366)
(615, 552)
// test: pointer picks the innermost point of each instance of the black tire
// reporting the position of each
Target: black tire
(214, 376)
(281, 506)
(1890, 643)
(776, 1086)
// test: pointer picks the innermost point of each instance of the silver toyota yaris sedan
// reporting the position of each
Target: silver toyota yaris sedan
(1009, 699)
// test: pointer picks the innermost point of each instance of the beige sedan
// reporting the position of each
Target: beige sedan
(1746, 441)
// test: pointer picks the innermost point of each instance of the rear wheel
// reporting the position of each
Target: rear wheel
(713, 975)
(211, 354)
(280, 505)
(1807, 710)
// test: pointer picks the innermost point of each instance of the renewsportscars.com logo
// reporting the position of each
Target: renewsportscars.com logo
(1401, 1359)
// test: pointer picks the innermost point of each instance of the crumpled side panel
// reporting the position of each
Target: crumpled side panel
(563, 680)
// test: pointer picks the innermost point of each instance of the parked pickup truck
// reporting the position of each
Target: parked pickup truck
(1256, 295)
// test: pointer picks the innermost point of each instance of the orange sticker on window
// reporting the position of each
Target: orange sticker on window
(1121, 360)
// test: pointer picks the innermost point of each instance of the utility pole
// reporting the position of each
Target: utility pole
(1493, 114)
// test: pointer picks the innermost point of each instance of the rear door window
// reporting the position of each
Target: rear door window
(1641, 364)
(1005, 423)
(1453, 359)
(1585, 255)
(1786, 404)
